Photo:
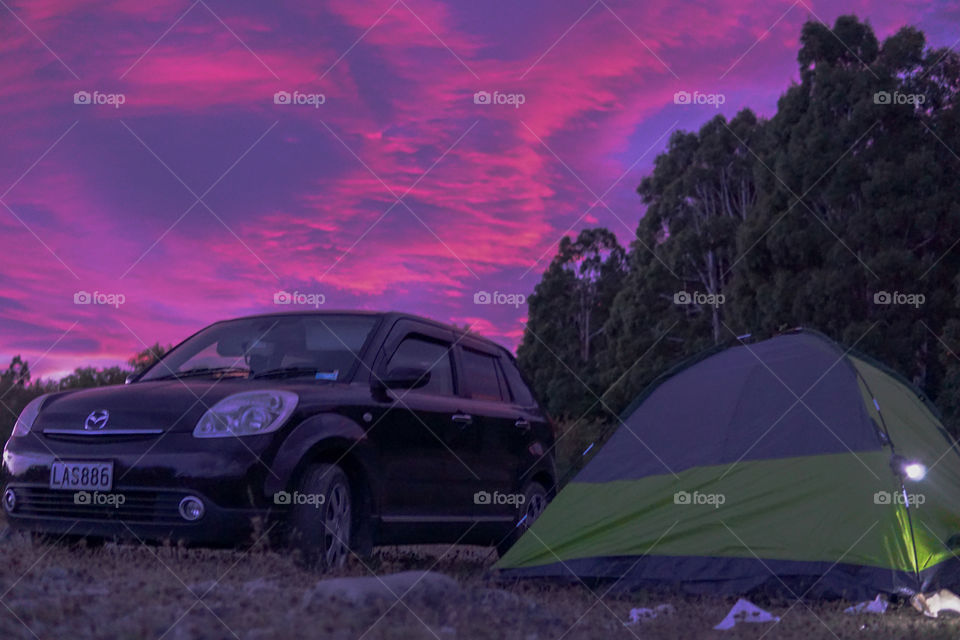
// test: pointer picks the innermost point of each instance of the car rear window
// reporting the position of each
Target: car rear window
(480, 372)
(521, 392)
(420, 353)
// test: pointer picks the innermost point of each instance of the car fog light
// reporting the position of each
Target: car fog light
(9, 500)
(191, 508)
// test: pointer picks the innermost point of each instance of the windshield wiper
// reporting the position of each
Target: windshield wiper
(297, 371)
(202, 371)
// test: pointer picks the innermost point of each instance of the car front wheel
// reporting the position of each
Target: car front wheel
(322, 518)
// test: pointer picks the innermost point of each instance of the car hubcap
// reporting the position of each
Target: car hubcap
(336, 524)
(535, 507)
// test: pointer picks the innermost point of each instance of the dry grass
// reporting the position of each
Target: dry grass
(132, 592)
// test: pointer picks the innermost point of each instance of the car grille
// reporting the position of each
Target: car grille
(139, 506)
(102, 437)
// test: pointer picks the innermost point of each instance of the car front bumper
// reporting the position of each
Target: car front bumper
(151, 476)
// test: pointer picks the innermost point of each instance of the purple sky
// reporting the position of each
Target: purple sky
(199, 197)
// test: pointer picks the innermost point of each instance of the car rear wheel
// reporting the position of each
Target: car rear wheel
(322, 519)
(535, 501)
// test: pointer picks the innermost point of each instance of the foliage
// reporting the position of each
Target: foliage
(17, 388)
(568, 312)
(816, 217)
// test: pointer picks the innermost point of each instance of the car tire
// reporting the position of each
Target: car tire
(323, 533)
(535, 501)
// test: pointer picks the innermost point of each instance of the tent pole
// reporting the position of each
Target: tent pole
(913, 539)
(903, 489)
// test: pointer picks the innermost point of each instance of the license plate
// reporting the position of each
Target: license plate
(82, 475)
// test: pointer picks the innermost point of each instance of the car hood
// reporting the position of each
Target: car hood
(162, 405)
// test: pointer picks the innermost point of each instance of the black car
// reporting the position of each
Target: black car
(338, 430)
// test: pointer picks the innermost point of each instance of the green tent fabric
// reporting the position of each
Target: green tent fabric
(781, 463)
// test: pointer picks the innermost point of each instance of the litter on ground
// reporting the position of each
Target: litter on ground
(931, 605)
(642, 614)
(746, 611)
(877, 605)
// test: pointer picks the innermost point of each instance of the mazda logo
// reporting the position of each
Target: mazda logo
(96, 420)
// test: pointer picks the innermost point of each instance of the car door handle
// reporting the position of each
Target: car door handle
(462, 418)
(522, 424)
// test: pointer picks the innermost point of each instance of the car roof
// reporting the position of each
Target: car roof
(387, 315)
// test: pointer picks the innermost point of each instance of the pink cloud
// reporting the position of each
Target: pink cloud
(494, 187)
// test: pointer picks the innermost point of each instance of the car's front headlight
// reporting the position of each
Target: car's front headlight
(246, 414)
(28, 416)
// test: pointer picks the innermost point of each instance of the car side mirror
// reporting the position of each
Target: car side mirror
(405, 378)
(131, 378)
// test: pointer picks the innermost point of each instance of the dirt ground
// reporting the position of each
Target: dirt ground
(133, 591)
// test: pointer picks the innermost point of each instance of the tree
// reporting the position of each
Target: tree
(17, 389)
(86, 377)
(596, 262)
(701, 189)
(17, 375)
(148, 357)
(856, 201)
(700, 192)
(838, 213)
(567, 313)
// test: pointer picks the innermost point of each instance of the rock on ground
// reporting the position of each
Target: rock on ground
(427, 586)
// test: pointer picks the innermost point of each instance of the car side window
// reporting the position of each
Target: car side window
(433, 356)
(519, 389)
(480, 374)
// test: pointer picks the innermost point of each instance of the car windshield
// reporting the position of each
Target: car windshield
(323, 347)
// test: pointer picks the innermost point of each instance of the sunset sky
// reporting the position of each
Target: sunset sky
(189, 194)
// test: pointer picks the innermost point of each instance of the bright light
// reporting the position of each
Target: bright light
(915, 471)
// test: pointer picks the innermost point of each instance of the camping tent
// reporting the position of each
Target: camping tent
(788, 462)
